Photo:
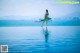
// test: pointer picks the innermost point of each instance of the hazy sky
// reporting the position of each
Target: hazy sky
(35, 8)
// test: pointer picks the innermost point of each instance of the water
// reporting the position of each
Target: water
(51, 39)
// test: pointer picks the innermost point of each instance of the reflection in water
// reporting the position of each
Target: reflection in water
(27, 40)
(46, 34)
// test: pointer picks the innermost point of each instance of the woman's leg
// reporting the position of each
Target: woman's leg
(46, 23)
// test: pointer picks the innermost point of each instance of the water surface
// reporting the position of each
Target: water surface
(51, 39)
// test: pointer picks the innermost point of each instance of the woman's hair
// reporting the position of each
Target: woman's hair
(46, 10)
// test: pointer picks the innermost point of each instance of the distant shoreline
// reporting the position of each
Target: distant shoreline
(8, 23)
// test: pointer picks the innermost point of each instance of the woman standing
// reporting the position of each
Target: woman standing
(46, 18)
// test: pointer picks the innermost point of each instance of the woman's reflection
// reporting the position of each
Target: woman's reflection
(46, 34)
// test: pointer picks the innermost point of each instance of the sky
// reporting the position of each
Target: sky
(35, 8)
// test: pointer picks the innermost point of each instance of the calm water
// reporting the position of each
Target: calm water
(51, 39)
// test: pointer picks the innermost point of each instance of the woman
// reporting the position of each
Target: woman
(46, 18)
